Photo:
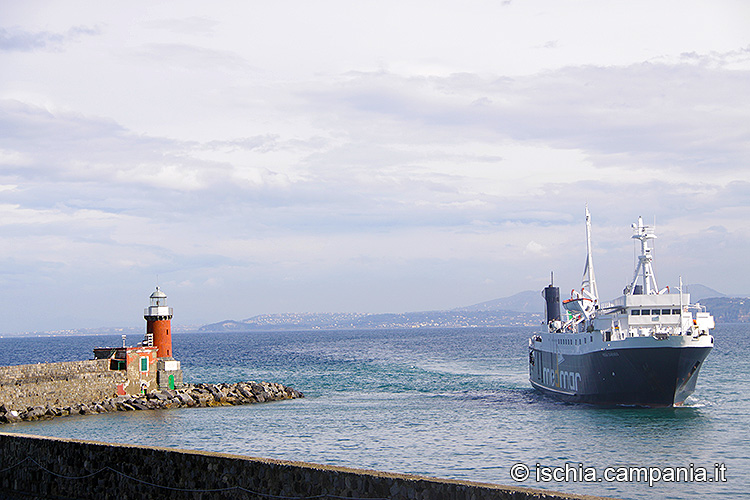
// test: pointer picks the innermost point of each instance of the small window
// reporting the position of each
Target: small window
(144, 364)
(646, 312)
(635, 312)
(666, 311)
(675, 311)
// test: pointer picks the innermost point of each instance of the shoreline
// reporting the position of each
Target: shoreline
(190, 395)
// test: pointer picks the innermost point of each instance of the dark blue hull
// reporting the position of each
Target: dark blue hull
(652, 377)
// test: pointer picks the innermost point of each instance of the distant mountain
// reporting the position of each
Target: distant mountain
(522, 309)
(353, 321)
(528, 301)
(532, 301)
(728, 309)
(699, 292)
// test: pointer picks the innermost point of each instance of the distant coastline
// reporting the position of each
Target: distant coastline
(354, 321)
(521, 309)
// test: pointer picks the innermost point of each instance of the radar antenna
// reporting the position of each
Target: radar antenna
(644, 269)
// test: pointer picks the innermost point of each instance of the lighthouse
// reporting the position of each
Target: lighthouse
(159, 335)
(159, 324)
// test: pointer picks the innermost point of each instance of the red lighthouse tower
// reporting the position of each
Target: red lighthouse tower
(159, 335)
(159, 324)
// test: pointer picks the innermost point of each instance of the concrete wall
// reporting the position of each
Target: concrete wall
(33, 467)
(58, 384)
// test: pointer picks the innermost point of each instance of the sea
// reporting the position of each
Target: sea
(448, 403)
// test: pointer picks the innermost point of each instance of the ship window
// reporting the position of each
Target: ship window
(666, 311)
(675, 311)
(635, 312)
(646, 312)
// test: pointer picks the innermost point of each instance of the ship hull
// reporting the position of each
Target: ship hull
(650, 376)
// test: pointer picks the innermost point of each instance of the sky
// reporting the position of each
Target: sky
(336, 156)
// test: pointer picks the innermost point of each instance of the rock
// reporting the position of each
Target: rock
(185, 399)
(10, 417)
(139, 405)
(203, 399)
(35, 413)
(244, 392)
(162, 396)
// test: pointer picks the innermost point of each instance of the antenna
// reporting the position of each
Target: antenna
(588, 282)
(644, 270)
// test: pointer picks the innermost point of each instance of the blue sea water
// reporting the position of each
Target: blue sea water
(453, 403)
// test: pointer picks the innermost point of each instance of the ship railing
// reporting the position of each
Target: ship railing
(697, 307)
(662, 332)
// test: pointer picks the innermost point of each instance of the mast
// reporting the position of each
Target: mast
(644, 269)
(682, 320)
(588, 284)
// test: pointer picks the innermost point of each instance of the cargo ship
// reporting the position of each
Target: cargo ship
(644, 348)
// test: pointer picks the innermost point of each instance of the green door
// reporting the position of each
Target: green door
(171, 382)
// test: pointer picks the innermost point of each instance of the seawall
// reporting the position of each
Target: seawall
(60, 384)
(41, 467)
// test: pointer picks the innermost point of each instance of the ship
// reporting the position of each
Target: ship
(643, 349)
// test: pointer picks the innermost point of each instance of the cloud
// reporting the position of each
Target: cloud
(191, 57)
(16, 39)
(193, 25)
(681, 115)
(534, 248)
(69, 147)
(357, 171)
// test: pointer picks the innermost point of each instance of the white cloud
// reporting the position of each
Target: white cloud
(534, 248)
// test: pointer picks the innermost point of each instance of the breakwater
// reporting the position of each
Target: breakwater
(42, 467)
(59, 384)
(190, 395)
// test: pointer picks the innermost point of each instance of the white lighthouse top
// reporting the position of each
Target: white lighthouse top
(158, 294)
(158, 307)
